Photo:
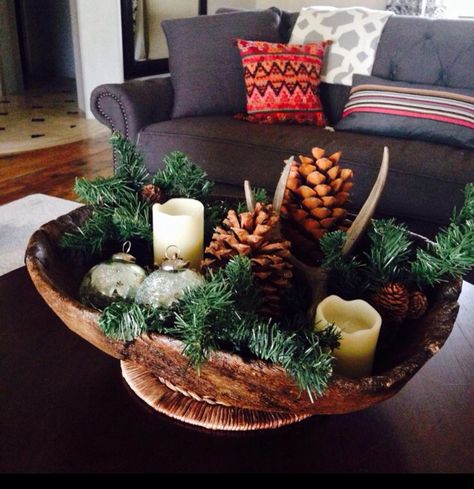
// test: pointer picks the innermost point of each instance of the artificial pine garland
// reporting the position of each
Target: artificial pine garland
(394, 257)
(219, 314)
(119, 214)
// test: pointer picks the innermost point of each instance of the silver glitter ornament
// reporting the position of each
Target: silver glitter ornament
(113, 280)
(169, 283)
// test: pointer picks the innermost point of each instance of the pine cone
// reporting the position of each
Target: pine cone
(250, 234)
(417, 305)
(316, 196)
(153, 194)
(392, 301)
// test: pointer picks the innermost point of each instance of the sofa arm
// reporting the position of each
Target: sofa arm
(128, 107)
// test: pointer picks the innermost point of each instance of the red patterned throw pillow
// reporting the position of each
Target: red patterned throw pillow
(282, 82)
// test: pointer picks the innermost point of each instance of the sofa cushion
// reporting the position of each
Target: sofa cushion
(205, 66)
(282, 82)
(420, 50)
(426, 179)
(409, 110)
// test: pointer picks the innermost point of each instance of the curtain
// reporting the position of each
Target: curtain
(140, 30)
(425, 8)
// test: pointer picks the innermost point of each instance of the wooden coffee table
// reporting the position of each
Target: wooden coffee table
(65, 408)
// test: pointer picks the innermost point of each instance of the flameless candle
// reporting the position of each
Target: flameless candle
(180, 223)
(359, 324)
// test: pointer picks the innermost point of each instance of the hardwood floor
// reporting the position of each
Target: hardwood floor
(53, 171)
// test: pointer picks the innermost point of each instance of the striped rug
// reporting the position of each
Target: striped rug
(434, 105)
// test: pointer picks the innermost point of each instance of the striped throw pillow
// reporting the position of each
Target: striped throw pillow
(401, 110)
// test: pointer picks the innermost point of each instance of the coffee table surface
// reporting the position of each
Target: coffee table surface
(65, 408)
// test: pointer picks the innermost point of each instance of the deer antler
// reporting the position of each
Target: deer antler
(317, 277)
(362, 221)
(281, 187)
(249, 196)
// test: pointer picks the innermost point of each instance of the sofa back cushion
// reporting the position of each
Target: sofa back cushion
(434, 52)
(205, 65)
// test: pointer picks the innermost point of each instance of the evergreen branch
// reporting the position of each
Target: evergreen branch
(182, 178)
(130, 162)
(132, 220)
(91, 237)
(239, 276)
(301, 354)
(452, 255)
(102, 191)
(347, 274)
(200, 311)
(467, 211)
(389, 252)
(124, 321)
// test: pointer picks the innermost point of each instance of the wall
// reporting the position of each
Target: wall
(97, 35)
(213, 5)
(295, 5)
(11, 80)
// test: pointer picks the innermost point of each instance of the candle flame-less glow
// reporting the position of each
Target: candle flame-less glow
(180, 223)
(359, 324)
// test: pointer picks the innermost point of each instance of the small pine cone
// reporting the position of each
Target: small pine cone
(392, 301)
(153, 194)
(417, 305)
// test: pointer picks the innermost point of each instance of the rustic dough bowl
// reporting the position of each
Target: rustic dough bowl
(230, 393)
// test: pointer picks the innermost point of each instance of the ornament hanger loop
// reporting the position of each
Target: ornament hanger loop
(127, 246)
(172, 255)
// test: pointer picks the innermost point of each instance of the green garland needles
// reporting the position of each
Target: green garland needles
(393, 256)
(218, 315)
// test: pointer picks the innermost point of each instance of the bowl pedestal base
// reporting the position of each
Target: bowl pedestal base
(189, 408)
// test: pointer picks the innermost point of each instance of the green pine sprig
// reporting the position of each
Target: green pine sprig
(183, 178)
(347, 273)
(389, 251)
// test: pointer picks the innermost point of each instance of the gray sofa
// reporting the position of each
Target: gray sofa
(426, 179)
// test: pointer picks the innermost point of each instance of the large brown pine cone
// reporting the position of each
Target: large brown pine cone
(392, 301)
(251, 234)
(315, 199)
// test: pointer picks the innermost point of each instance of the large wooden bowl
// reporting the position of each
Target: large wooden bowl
(230, 393)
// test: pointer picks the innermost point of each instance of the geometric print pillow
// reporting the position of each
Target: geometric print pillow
(282, 82)
(410, 111)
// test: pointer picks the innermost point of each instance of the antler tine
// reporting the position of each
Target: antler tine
(281, 187)
(365, 215)
(249, 196)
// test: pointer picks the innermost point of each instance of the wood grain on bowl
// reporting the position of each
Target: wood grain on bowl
(227, 379)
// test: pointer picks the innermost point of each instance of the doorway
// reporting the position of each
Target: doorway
(46, 45)
(43, 110)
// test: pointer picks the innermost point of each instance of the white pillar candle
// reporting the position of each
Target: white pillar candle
(180, 223)
(359, 324)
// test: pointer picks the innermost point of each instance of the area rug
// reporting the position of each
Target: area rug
(20, 219)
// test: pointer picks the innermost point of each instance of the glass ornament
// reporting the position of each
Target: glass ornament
(113, 280)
